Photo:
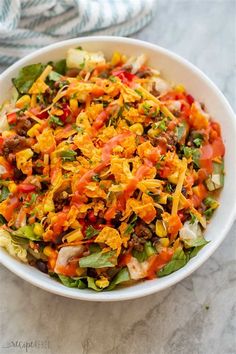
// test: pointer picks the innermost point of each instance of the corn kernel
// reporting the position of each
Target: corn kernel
(116, 58)
(73, 105)
(164, 242)
(163, 198)
(8, 134)
(174, 177)
(38, 229)
(57, 112)
(23, 102)
(136, 128)
(161, 229)
(34, 130)
(49, 252)
(180, 88)
(102, 283)
(153, 132)
(12, 187)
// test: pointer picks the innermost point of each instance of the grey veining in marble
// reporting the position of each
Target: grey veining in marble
(198, 315)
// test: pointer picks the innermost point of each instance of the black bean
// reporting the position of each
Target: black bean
(42, 266)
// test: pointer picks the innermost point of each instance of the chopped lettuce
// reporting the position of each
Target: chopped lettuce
(54, 76)
(27, 76)
(4, 193)
(72, 282)
(147, 252)
(178, 260)
(60, 66)
(12, 248)
(27, 232)
(120, 277)
(99, 260)
(191, 234)
(92, 284)
(216, 179)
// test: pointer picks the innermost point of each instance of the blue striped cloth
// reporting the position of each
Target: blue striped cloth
(26, 25)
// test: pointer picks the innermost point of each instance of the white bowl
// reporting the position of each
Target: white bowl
(175, 69)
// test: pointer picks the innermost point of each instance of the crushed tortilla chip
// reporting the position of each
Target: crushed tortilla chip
(111, 237)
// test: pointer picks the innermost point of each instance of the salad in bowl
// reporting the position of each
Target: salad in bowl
(109, 173)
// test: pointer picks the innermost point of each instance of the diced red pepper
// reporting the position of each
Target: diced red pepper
(190, 99)
(125, 76)
(66, 112)
(11, 117)
(26, 188)
(92, 218)
(42, 115)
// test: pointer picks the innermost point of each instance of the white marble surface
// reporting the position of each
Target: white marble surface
(198, 315)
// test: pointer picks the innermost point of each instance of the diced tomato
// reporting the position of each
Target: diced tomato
(26, 188)
(158, 261)
(124, 259)
(165, 172)
(11, 117)
(202, 174)
(206, 158)
(218, 148)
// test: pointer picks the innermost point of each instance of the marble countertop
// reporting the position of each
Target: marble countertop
(196, 316)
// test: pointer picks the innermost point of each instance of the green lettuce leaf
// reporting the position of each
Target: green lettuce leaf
(99, 260)
(200, 241)
(178, 260)
(92, 285)
(121, 277)
(27, 232)
(72, 282)
(4, 193)
(27, 76)
(141, 256)
(60, 66)
(54, 76)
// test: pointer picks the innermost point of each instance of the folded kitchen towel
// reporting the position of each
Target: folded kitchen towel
(26, 25)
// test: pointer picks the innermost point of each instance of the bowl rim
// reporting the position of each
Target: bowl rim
(174, 278)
